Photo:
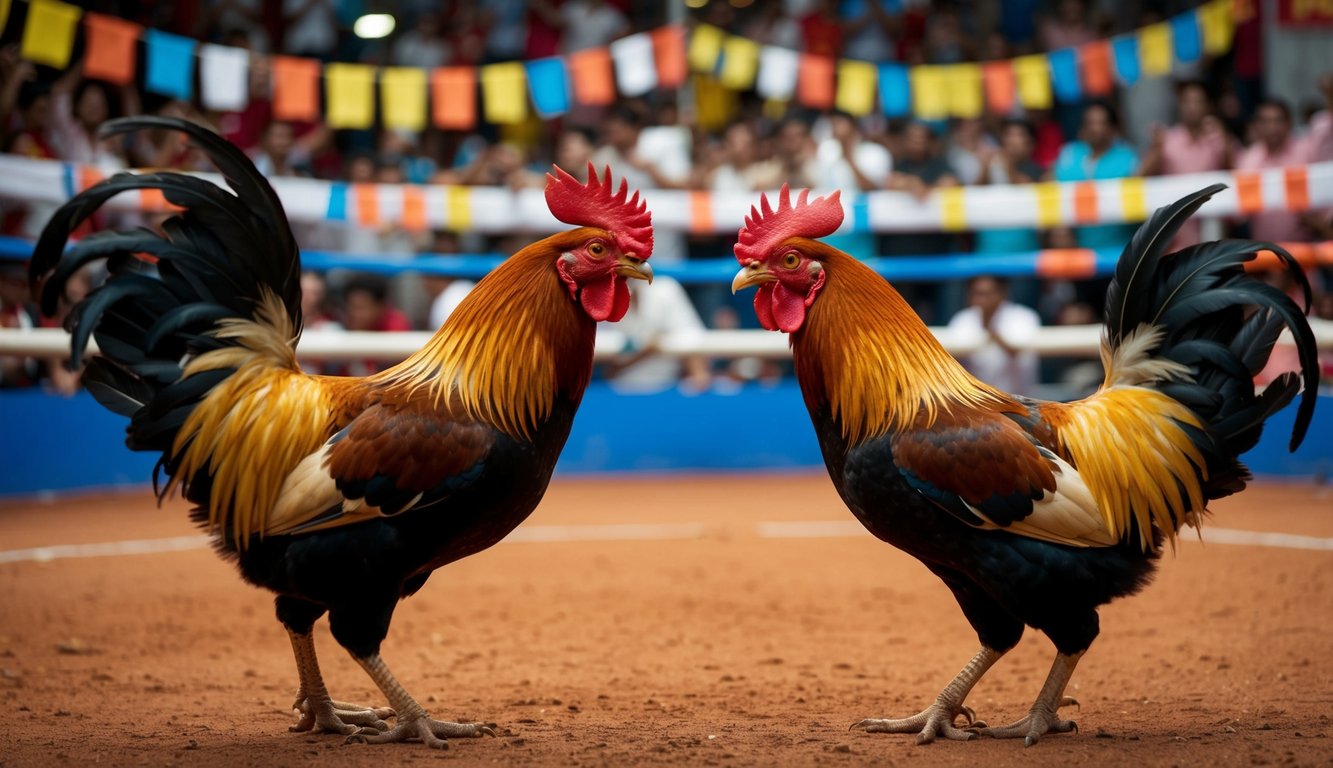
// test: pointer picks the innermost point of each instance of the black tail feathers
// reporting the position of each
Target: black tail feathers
(166, 290)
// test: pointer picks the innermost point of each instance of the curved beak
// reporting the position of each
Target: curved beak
(751, 274)
(635, 268)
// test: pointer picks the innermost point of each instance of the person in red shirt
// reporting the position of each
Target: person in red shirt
(821, 30)
(366, 307)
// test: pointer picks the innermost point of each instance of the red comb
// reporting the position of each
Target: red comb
(764, 231)
(593, 205)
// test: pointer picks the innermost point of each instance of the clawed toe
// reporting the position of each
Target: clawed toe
(326, 716)
(433, 733)
(936, 722)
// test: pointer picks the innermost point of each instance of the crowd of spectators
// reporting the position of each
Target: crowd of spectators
(1211, 115)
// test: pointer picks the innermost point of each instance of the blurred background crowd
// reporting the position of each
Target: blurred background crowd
(1215, 114)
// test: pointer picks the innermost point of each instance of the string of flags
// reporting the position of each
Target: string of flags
(344, 94)
(504, 210)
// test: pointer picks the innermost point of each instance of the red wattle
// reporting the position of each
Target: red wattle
(763, 307)
(605, 299)
(788, 308)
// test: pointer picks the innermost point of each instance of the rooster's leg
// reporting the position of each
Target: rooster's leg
(1043, 718)
(938, 719)
(320, 713)
(413, 722)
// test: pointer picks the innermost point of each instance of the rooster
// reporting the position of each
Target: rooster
(1032, 513)
(340, 495)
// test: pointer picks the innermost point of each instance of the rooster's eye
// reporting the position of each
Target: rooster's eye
(792, 260)
(597, 250)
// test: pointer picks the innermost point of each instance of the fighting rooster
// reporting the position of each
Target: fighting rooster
(1033, 513)
(341, 495)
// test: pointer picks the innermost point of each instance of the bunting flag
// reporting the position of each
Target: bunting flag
(548, 83)
(109, 53)
(453, 98)
(48, 33)
(504, 93)
(856, 87)
(170, 64)
(669, 55)
(349, 96)
(1033, 75)
(636, 70)
(895, 89)
(1218, 26)
(1125, 51)
(998, 78)
(4, 14)
(740, 63)
(1065, 76)
(963, 84)
(1094, 63)
(594, 82)
(1186, 38)
(1155, 49)
(930, 96)
(403, 98)
(814, 81)
(778, 70)
(705, 48)
(224, 77)
(295, 89)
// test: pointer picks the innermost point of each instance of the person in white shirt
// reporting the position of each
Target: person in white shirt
(664, 309)
(1005, 332)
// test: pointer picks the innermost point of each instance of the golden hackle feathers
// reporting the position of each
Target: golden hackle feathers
(866, 352)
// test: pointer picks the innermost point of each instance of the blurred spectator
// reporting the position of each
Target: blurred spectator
(770, 25)
(1275, 147)
(870, 27)
(421, 45)
(506, 24)
(664, 309)
(16, 311)
(740, 168)
(573, 151)
(1004, 333)
(279, 154)
(1098, 154)
(311, 28)
(1011, 164)
(366, 308)
(921, 167)
(848, 161)
(970, 149)
(821, 30)
(1068, 28)
(589, 24)
(446, 292)
(544, 23)
(1198, 142)
(222, 20)
(796, 151)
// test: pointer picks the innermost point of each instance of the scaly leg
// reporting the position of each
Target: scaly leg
(938, 719)
(1043, 717)
(319, 713)
(412, 718)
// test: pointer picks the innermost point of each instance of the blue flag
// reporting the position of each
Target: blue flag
(1125, 51)
(548, 82)
(1064, 76)
(895, 89)
(170, 64)
(1186, 36)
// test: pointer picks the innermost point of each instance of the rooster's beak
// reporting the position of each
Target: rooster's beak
(751, 274)
(633, 267)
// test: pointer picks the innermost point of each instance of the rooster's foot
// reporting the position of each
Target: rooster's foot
(432, 733)
(1039, 722)
(322, 715)
(936, 721)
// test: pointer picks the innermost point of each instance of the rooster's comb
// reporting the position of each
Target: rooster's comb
(765, 228)
(594, 205)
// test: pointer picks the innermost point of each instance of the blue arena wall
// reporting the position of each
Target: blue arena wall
(53, 444)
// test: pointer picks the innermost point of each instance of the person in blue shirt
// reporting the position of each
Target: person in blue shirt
(1099, 153)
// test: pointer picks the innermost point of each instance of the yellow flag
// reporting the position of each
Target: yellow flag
(953, 211)
(458, 208)
(403, 98)
(856, 87)
(4, 14)
(930, 92)
(1218, 24)
(963, 84)
(740, 63)
(715, 106)
(1048, 204)
(705, 47)
(1133, 200)
(504, 93)
(1033, 74)
(349, 94)
(48, 35)
(1155, 49)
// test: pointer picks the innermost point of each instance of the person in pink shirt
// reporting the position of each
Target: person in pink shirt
(1197, 143)
(1275, 147)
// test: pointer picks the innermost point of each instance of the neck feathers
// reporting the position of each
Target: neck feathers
(864, 352)
(510, 349)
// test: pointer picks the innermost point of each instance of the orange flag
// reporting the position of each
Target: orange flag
(453, 92)
(295, 89)
(109, 54)
(814, 81)
(998, 78)
(1094, 63)
(594, 81)
(669, 51)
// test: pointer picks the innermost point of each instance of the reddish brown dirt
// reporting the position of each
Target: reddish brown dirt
(725, 649)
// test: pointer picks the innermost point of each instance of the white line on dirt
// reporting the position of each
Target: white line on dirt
(545, 534)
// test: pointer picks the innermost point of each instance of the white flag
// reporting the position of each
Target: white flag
(777, 72)
(636, 70)
(224, 77)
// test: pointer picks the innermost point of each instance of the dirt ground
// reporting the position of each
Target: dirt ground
(720, 646)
